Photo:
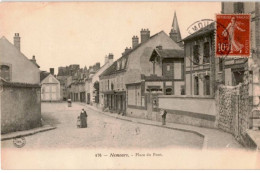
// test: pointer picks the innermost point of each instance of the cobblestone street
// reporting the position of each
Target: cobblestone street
(102, 132)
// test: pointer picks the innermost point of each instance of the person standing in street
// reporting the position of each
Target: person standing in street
(163, 114)
(83, 118)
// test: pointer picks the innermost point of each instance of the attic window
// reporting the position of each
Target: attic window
(5, 72)
(123, 63)
(118, 65)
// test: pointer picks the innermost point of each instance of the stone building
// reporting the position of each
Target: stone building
(50, 87)
(19, 88)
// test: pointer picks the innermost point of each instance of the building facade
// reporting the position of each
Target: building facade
(123, 83)
(50, 89)
(234, 72)
(19, 88)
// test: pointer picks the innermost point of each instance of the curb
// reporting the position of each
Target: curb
(26, 132)
(205, 139)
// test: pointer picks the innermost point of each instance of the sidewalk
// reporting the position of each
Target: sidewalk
(26, 132)
(213, 138)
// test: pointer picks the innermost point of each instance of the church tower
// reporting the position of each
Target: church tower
(175, 33)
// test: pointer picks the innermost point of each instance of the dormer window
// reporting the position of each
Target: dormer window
(5, 72)
(123, 63)
(118, 65)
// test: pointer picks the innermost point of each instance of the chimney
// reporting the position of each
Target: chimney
(33, 59)
(145, 35)
(135, 41)
(106, 59)
(127, 50)
(17, 40)
(110, 58)
(52, 71)
(98, 65)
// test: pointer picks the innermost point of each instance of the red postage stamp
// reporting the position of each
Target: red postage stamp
(232, 35)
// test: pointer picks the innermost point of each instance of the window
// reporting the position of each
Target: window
(112, 86)
(168, 67)
(206, 53)
(196, 59)
(238, 7)
(123, 63)
(5, 72)
(221, 61)
(168, 91)
(207, 85)
(178, 68)
(238, 77)
(182, 90)
(119, 65)
(196, 86)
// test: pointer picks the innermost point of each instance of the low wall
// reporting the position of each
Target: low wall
(20, 107)
(197, 111)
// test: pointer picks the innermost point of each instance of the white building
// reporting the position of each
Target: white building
(50, 90)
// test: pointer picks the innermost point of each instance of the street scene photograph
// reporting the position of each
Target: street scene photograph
(130, 85)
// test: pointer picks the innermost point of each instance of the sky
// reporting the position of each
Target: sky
(64, 33)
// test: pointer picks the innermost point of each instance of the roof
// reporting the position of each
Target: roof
(17, 84)
(207, 29)
(168, 53)
(113, 68)
(9, 47)
(43, 75)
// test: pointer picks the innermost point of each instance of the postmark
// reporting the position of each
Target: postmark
(198, 25)
(232, 35)
(19, 142)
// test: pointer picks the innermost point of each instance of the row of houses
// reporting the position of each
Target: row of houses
(182, 76)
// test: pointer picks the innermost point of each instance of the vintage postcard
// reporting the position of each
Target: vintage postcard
(130, 85)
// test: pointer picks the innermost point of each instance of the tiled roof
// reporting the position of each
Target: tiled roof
(18, 84)
(207, 29)
(43, 75)
(113, 68)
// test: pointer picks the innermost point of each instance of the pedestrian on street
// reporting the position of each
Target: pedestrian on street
(163, 114)
(83, 119)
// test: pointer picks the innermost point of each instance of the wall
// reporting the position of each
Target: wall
(235, 107)
(20, 107)
(22, 69)
(189, 110)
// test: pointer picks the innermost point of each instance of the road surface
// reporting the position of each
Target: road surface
(102, 132)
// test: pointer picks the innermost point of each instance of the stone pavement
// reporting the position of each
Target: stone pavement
(26, 132)
(213, 138)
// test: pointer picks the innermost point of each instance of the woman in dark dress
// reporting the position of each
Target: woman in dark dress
(83, 119)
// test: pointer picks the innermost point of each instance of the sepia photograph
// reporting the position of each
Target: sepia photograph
(130, 85)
